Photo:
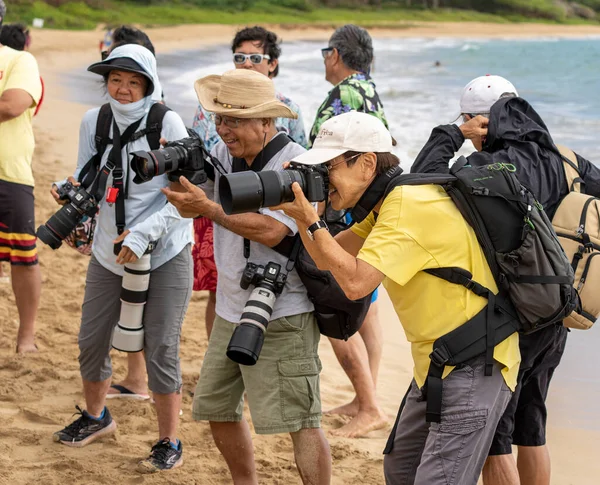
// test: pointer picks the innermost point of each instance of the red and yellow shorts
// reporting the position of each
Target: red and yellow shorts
(17, 224)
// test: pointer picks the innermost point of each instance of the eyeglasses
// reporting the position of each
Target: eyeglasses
(229, 122)
(325, 51)
(104, 55)
(330, 166)
(240, 58)
(473, 115)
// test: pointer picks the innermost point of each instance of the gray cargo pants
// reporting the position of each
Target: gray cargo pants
(453, 451)
(168, 297)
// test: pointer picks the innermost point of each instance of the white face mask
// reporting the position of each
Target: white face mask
(129, 113)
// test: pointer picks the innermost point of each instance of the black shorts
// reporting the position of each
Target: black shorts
(524, 421)
(17, 224)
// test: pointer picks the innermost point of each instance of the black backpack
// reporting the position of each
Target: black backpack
(531, 270)
(102, 139)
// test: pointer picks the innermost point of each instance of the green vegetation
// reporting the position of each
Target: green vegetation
(87, 14)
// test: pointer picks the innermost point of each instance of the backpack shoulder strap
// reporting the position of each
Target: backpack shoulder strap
(102, 137)
(154, 124)
(153, 127)
(571, 167)
(101, 141)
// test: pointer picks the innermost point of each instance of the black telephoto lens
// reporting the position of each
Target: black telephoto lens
(240, 192)
(249, 191)
(245, 344)
(59, 226)
(147, 165)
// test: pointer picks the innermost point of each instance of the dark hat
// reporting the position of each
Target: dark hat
(121, 64)
(2, 11)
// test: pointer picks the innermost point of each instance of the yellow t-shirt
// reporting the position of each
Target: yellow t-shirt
(18, 70)
(418, 228)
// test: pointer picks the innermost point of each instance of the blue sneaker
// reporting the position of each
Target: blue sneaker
(85, 429)
(162, 457)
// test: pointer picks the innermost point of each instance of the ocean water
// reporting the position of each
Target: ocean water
(559, 77)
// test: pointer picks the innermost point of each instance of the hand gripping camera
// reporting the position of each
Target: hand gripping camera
(248, 337)
(59, 226)
(128, 335)
(249, 191)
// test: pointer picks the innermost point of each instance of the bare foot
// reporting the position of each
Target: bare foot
(362, 424)
(27, 348)
(349, 409)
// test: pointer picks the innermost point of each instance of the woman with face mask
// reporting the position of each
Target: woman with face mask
(132, 84)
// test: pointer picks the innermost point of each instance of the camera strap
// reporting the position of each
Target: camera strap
(293, 252)
(277, 143)
(264, 156)
(116, 158)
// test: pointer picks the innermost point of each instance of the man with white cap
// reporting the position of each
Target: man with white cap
(396, 244)
(505, 128)
(283, 386)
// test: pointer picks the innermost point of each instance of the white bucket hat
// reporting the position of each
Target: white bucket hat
(482, 92)
(352, 131)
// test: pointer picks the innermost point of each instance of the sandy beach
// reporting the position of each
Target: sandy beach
(38, 392)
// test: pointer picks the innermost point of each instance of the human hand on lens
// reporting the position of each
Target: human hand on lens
(475, 127)
(126, 255)
(54, 189)
(190, 200)
(300, 208)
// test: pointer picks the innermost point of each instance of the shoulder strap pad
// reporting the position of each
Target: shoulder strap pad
(101, 141)
(571, 167)
(154, 124)
(102, 137)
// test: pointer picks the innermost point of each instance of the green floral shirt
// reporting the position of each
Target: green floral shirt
(355, 93)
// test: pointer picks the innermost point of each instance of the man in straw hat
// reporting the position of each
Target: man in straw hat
(283, 386)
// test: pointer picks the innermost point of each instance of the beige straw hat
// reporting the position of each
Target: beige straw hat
(241, 93)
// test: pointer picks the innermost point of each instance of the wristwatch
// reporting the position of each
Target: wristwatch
(310, 230)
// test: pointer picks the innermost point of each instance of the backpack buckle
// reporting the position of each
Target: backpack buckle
(480, 191)
(118, 174)
(439, 357)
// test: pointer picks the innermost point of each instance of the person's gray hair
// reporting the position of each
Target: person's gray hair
(2, 11)
(355, 46)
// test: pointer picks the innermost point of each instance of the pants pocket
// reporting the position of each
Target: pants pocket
(457, 438)
(299, 387)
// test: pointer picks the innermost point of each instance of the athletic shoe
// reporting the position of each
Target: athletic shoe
(162, 457)
(85, 429)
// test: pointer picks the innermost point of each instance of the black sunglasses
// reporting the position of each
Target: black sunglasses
(325, 51)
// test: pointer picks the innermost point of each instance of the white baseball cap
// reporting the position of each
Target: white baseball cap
(482, 92)
(352, 131)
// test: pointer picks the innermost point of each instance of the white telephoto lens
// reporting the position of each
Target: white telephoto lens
(128, 335)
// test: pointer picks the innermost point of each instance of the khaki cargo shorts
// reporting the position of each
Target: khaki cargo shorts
(282, 388)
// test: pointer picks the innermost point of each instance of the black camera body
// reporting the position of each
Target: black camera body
(249, 191)
(59, 226)
(259, 275)
(316, 180)
(187, 157)
(248, 337)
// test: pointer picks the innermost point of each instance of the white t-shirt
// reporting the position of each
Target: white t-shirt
(229, 251)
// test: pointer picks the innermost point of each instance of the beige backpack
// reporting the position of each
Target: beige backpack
(577, 224)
